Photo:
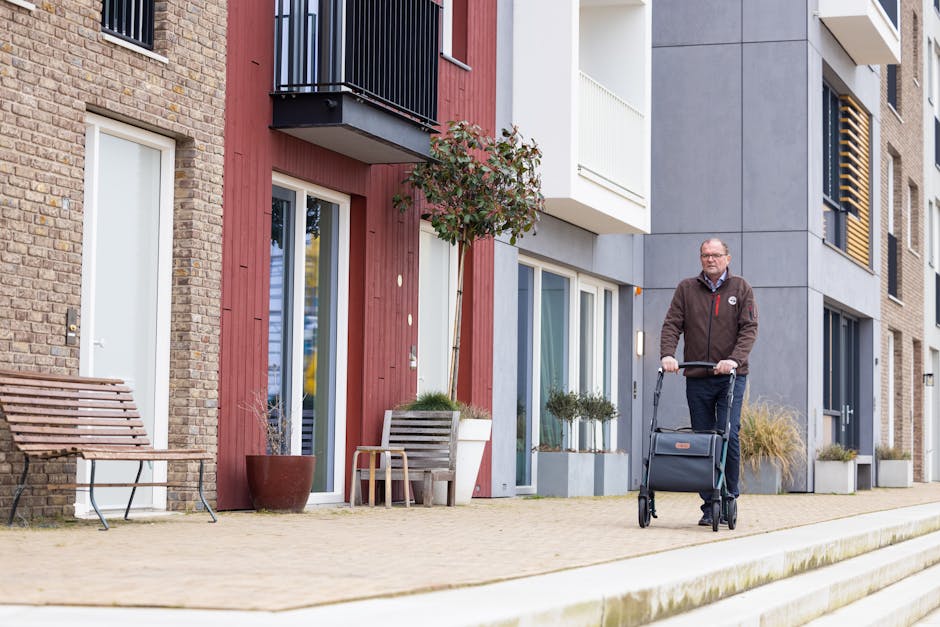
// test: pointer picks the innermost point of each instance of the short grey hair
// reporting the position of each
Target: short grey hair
(714, 239)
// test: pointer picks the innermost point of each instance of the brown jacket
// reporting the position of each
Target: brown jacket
(715, 326)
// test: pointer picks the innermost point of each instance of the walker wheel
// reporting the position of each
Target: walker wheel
(716, 514)
(643, 507)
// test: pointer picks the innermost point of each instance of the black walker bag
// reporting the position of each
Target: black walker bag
(682, 461)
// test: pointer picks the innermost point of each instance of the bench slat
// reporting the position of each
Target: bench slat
(21, 375)
(31, 392)
(95, 421)
(15, 401)
(21, 410)
(79, 430)
(56, 441)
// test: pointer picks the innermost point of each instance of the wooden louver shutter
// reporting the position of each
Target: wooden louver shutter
(854, 185)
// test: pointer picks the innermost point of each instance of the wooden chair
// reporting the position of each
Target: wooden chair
(429, 441)
(54, 416)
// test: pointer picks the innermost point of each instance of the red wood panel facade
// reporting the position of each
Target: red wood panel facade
(383, 246)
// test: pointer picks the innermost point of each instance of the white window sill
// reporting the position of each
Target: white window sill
(896, 299)
(117, 41)
(456, 62)
(29, 6)
(896, 114)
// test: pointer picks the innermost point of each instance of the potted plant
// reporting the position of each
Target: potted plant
(771, 446)
(565, 471)
(895, 468)
(277, 480)
(473, 433)
(611, 468)
(835, 470)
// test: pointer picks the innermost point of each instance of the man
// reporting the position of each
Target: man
(716, 314)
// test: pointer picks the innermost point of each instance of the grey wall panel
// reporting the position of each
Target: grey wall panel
(701, 22)
(696, 133)
(505, 314)
(778, 361)
(615, 257)
(773, 259)
(561, 242)
(773, 20)
(775, 120)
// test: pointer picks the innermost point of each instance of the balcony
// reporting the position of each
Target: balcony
(867, 29)
(586, 100)
(358, 77)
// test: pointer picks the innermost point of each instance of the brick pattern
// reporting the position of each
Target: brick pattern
(54, 67)
(902, 140)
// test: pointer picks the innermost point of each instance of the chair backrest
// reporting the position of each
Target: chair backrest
(53, 413)
(428, 437)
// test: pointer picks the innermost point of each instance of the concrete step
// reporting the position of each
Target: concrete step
(897, 605)
(823, 591)
(653, 587)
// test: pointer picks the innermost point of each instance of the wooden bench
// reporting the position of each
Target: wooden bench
(429, 439)
(54, 416)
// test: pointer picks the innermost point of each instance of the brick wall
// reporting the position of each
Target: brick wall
(902, 140)
(55, 66)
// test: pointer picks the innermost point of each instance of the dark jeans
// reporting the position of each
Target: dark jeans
(708, 406)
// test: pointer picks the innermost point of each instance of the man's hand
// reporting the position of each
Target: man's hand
(669, 364)
(725, 366)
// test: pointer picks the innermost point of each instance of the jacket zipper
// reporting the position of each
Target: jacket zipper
(713, 313)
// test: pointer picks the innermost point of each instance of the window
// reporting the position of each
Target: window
(912, 213)
(891, 9)
(931, 236)
(567, 339)
(454, 31)
(841, 376)
(130, 20)
(437, 275)
(892, 76)
(915, 30)
(846, 165)
(307, 324)
(930, 76)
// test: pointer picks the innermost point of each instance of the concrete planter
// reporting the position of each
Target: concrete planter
(834, 477)
(611, 473)
(765, 480)
(565, 474)
(895, 473)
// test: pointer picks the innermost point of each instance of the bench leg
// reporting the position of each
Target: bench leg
(404, 465)
(19, 491)
(91, 496)
(452, 493)
(388, 478)
(202, 493)
(428, 493)
(140, 468)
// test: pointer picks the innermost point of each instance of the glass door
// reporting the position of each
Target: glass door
(840, 376)
(306, 325)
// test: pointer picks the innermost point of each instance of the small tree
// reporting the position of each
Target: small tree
(566, 406)
(597, 409)
(476, 186)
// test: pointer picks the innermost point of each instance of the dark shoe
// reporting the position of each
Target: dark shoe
(705, 520)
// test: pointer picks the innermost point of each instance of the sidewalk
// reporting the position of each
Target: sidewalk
(275, 562)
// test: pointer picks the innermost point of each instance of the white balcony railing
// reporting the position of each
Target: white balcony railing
(611, 133)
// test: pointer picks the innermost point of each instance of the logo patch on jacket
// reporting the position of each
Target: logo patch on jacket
(732, 300)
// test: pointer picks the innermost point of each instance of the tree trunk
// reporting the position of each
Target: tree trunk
(458, 317)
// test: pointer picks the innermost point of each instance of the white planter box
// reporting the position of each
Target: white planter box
(834, 477)
(472, 436)
(611, 471)
(895, 473)
(565, 474)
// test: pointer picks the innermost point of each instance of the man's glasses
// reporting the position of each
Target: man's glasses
(712, 255)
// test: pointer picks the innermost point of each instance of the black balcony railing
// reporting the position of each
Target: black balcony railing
(131, 20)
(891, 8)
(388, 52)
(892, 265)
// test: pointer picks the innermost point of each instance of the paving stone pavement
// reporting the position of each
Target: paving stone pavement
(262, 561)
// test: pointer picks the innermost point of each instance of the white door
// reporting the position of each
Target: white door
(437, 297)
(126, 287)
(933, 400)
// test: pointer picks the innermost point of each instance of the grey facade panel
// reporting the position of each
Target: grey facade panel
(556, 240)
(505, 339)
(773, 259)
(773, 20)
(673, 257)
(696, 133)
(703, 22)
(775, 121)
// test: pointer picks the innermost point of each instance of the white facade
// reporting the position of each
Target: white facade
(581, 87)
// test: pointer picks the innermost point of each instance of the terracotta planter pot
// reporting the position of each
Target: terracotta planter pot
(280, 483)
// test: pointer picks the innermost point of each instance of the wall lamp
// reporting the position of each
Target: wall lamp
(928, 379)
(639, 343)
